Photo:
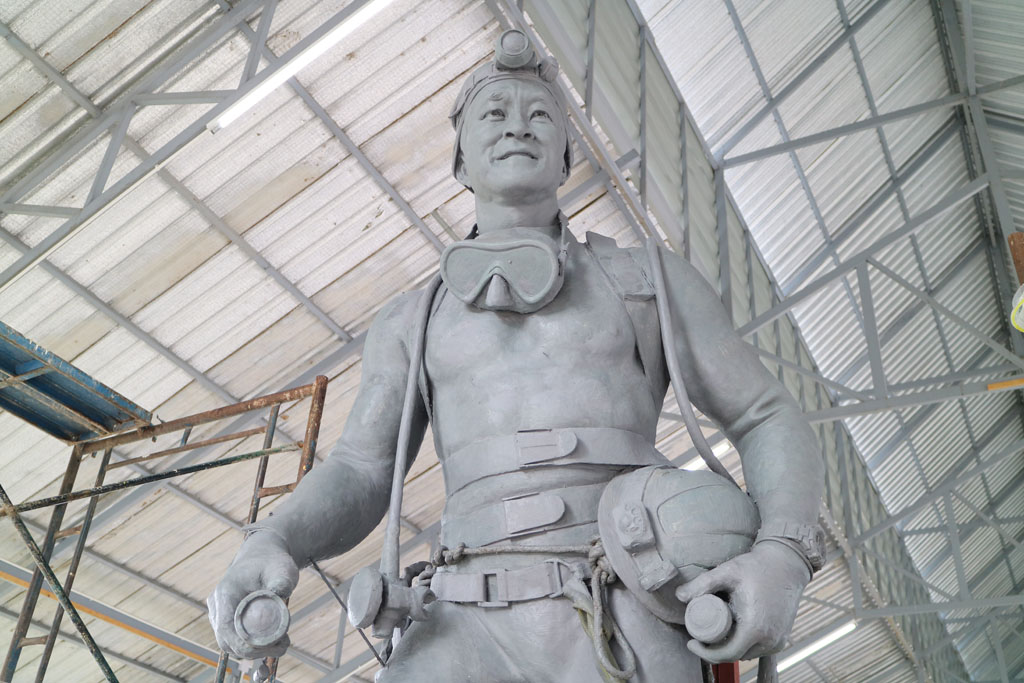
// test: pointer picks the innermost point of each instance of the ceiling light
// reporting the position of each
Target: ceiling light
(696, 464)
(805, 652)
(298, 62)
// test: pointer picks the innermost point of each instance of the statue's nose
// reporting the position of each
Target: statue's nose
(516, 127)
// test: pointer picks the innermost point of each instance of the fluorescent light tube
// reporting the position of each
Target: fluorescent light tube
(805, 652)
(301, 60)
(696, 464)
(718, 450)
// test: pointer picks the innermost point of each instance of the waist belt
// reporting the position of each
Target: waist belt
(503, 586)
(546, 448)
(527, 514)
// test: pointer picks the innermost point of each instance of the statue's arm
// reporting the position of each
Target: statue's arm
(782, 467)
(343, 498)
(782, 462)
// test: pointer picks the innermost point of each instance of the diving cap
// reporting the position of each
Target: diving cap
(514, 57)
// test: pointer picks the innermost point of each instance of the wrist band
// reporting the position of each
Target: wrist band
(792, 545)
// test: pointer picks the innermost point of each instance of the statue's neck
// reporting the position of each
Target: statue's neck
(492, 217)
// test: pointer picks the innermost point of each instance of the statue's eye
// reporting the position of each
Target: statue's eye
(539, 113)
(496, 114)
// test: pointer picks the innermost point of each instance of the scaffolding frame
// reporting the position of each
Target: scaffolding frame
(105, 444)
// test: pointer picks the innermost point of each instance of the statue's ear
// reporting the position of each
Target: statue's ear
(460, 170)
(566, 167)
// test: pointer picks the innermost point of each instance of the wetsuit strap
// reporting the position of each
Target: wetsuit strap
(548, 448)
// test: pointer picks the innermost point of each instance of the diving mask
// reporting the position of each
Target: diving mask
(517, 269)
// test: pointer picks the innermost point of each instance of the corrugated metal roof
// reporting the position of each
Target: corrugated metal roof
(284, 182)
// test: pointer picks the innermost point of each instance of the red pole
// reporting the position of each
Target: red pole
(726, 672)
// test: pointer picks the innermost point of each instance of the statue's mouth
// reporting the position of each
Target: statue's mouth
(517, 153)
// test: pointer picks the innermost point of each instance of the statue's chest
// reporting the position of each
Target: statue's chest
(585, 325)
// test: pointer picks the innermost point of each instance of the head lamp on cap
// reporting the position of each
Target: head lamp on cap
(514, 58)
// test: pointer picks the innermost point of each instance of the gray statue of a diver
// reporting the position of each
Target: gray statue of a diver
(543, 375)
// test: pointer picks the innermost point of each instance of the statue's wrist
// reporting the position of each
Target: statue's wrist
(805, 540)
(261, 536)
(789, 553)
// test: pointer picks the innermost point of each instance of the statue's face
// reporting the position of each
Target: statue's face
(513, 143)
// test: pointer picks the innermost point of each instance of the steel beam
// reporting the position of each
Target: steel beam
(919, 418)
(949, 201)
(943, 607)
(945, 280)
(153, 162)
(878, 383)
(958, 376)
(993, 504)
(936, 306)
(73, 639)
(955, 548)
(817, 377)
(974, 119)
(952, 393)
(872, 204)
(949, 483)
(842, 131)
(151, 82)
(722, 228)
(966, 528)
(588, 74)
(805, 185)
(784, 93)
(38, 210)
(179, 187)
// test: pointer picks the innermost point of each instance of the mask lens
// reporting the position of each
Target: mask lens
(530, 270)
(467, 270)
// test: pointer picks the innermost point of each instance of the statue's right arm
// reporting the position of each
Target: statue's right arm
(343, 498)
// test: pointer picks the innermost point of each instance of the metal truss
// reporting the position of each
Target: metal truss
(146, 93)
(635, 202)
(352, 345)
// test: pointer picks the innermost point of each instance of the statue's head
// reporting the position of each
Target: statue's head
(511, 125)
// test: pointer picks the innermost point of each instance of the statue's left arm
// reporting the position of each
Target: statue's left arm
(782, 464)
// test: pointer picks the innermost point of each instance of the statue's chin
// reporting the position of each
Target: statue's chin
(525, 191)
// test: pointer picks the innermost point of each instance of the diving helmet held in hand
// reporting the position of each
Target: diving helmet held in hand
(662, 527)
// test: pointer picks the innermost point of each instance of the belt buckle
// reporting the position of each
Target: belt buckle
(500, 589)
(555, 577)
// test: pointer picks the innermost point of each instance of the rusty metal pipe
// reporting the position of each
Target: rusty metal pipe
(149, 431)
(188, 447)
(129, 483)
(261, 472)
(316, 411)
(58, 590)
(28, 606)
(76, 558)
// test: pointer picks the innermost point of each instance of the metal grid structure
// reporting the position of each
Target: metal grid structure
(844, 173)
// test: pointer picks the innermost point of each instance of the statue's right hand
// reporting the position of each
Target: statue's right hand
(262, 563)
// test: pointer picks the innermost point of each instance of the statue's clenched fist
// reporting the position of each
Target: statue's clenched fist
(763, 587)
(262, 563)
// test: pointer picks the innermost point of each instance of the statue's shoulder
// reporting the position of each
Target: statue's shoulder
(626, 267)
(396, 318)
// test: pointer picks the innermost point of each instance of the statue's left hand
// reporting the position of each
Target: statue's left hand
(763, 588)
